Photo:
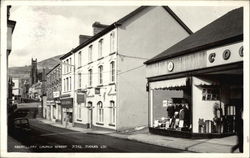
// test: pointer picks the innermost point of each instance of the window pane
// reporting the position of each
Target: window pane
(90, 53)
(100, 48)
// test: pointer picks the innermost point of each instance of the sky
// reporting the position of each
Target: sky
(45, 31)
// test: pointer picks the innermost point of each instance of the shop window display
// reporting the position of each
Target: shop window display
(177, 116)
(210, 94)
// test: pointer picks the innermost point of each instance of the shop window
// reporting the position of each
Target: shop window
(100, 112)
(171, 111)
(210, 94)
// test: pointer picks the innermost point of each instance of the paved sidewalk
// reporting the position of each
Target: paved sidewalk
(215, 145)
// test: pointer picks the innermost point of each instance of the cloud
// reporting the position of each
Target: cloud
(41, 35)
(45, 31)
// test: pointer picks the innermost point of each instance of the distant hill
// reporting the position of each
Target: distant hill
(24, 71)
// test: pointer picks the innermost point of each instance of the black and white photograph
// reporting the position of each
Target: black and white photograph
(111, 78)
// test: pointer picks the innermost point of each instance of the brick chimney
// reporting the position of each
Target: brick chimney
(83, 38)
(98, 27)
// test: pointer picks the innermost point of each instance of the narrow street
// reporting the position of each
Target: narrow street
(47, 138)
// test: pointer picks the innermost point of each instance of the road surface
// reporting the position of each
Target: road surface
(47, 138)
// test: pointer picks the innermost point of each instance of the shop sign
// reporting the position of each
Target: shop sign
(68, 102)
(56, 94)
(165, 103)
(97, 91)
(225, 55)
(81, 97)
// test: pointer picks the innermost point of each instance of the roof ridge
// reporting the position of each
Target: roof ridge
(122, 20)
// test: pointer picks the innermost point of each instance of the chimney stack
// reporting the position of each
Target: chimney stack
(83, 38)
(98, 27)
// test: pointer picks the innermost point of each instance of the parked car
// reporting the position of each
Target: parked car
(22, 124)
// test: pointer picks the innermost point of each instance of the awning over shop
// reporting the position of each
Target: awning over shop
(169, 84)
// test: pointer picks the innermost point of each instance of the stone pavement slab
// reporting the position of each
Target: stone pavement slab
(194, 145)
(215, 145)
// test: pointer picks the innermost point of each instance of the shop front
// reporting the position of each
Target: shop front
(202, 102)
(172, 108)
(67, 111)
(196, 86)
(49, 109)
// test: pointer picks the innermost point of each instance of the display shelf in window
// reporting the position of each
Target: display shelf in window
(210, 94)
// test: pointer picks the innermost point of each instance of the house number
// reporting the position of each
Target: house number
(170, 66)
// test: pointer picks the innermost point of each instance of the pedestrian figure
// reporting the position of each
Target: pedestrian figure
(66, 120)
(239, 131)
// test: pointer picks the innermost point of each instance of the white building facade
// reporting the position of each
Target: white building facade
(108, 85)
(68, 86)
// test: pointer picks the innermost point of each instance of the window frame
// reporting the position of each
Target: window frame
(79, 80)
(90, 81)
(79, 59)
(100, 112)
(90, 53)
(112, 112)
(100, 74)
(100, 48)
(112, 71)
(112, 42)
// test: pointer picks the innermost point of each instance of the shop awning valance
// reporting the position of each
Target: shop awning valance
(169, 84)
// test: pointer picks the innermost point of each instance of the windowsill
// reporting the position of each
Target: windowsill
(90, 62)
(112, 124)
(79, 67)
(89, 87)
(79, 120)
(112, 83)
(101, 85)
(66, 91)
(99, 123)
(100, 58)
(112, 53)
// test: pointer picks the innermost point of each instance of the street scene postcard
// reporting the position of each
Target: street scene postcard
(100, 79)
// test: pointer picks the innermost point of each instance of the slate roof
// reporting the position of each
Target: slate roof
(224, 30)
(120, 22)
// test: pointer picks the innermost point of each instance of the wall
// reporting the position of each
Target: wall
(9, 38)
(107, 89)
(196, 60)
(141, 37)
(201, 109)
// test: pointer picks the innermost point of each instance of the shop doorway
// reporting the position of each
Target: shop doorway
(90, 115)
(67, 120)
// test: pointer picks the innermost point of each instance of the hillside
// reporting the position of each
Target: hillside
(24, 71)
